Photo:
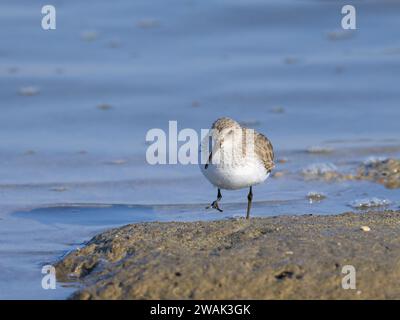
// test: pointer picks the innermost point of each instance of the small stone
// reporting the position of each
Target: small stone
(29, 91)
(104, 106)
(13, 70)
(290, 60)
(279, 174)
(147, 23)
(340, 34)
(289, 252)
(314, 196)
(89, 35)
(117, 162)
(365, 228)
(339, 69)
(59, 189)
(113, 44)
(319, 149)
(277, 110)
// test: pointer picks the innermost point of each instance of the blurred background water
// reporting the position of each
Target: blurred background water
(76, 104)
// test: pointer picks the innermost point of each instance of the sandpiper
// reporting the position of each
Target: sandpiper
(239, 158)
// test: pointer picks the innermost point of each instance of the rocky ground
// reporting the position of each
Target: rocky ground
(386, 172)
(289, 257)
(383, 171)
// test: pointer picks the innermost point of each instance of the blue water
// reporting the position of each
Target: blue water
(69, 169)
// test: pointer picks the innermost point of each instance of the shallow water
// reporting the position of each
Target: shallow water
(69, 169)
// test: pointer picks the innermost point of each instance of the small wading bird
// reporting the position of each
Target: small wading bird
(239, 158)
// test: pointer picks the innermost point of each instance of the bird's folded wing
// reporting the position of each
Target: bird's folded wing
(265, 151)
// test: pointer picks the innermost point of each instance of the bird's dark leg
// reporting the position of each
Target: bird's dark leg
(215, 203)
(249, 199)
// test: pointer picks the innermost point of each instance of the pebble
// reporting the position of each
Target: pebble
(340, 34)
(195, 104)
(283, 160)
(59, 189)
(117, 162)
(113, 44)
(278, 174)
(147, 23)
(277, 110)
(319, 149)
(89, 35)
(315, 196)
(365, 228)
(104, 106)
(290, 60)
(29, 91)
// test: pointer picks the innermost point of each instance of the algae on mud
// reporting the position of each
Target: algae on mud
(286, 257)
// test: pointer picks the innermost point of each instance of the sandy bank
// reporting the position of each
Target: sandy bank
(290, 257)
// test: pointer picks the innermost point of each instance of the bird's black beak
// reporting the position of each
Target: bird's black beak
(216, 148)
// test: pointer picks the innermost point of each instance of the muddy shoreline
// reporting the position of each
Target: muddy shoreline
(286, 257)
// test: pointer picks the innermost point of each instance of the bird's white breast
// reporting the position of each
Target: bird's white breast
(236, 176)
